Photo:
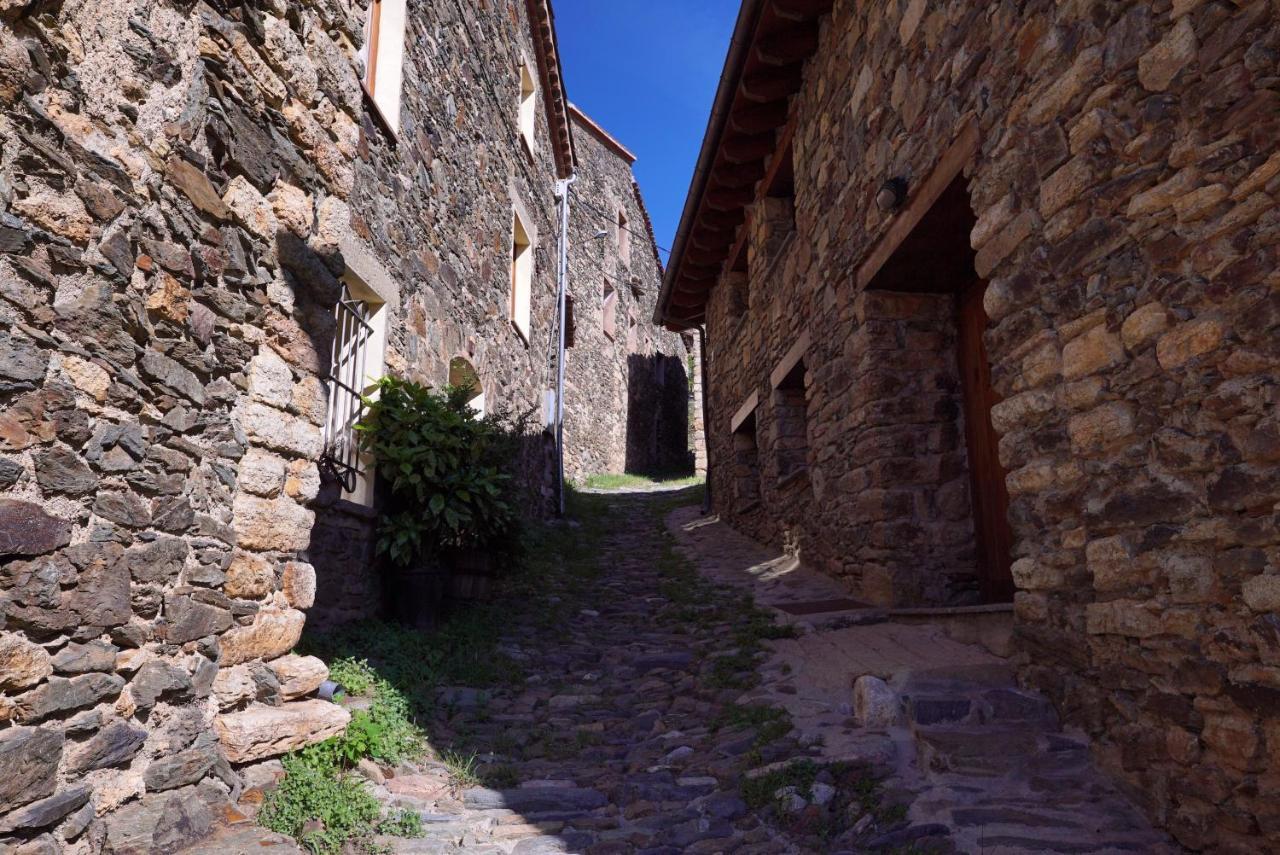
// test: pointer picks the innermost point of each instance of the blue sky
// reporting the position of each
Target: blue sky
(646, 71)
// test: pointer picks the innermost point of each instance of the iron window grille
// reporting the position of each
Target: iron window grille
(341, 461)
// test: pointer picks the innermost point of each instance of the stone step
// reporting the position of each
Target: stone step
(535, 800)
(979, 751)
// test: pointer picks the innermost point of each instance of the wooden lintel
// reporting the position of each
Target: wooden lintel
(953, 160)
(793, 357)
(744, 412)
(781, 155)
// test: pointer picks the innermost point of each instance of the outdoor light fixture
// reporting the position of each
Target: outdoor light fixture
(601, 233)
(892, 194)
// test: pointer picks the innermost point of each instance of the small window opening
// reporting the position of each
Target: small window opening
(570, 324)
(463, 375)
(528, 106)
(355, 366)
(624, 239)
(746, 463)
(791, 424)
(383, 56)
(521, 278)
(609, 310)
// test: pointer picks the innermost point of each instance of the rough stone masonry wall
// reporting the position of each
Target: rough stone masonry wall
(1126, 192)
(626, 396)
(165, 173)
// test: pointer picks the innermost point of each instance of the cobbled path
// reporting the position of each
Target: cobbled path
(610, 738)
(651, 715)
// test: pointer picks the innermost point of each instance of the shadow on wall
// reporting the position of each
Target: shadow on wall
(658, 416)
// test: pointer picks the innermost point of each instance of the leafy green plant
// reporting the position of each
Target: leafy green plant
(448, 474)
(402, 823)
(314, 788)
(355, 675)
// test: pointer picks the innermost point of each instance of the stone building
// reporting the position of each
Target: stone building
(992, 304)
(218, 222)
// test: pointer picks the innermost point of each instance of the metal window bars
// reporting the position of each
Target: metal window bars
(346, 381)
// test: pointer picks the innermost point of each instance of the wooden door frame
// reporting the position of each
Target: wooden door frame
(958, 155)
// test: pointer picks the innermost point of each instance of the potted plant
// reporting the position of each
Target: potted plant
(447, 486)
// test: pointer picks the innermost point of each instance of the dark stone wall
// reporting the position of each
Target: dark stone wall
(621, 410)
(1125, 188)
(181, 187)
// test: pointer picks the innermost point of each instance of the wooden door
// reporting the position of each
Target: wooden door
(990, 495)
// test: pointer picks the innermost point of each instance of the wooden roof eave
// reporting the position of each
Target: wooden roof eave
(756, 125)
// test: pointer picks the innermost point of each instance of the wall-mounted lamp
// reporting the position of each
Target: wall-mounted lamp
(892, 194)
(601, 234)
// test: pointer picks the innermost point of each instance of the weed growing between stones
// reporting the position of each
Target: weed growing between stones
(631, 482)
(462, 768)
(401, 673)
(325, 807)
(829, 804)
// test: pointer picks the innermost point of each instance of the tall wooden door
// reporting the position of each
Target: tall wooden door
(990, 495)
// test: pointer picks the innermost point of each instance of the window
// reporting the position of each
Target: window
(383, 56)
(356, 363)
(462, 374)
(609, 310)
(528, 106)
(633, 333)
(746, 456)
(570, 325)
(521, 278)
(624, 239)
(791, 424)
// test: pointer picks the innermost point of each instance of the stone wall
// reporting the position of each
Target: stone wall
(1125, 189)
(181, 187)
(626, 389)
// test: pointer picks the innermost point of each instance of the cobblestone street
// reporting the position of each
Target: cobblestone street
(670, 715)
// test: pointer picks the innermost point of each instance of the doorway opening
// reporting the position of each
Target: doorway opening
(935, 258)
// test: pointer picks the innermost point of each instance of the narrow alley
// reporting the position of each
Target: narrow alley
(661, 711)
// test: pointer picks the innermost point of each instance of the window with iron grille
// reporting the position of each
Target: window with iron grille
(355, 365)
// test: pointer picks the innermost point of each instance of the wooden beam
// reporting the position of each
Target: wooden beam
(782, 154)
(953, 160)
(747, 149)
(700, 273)
(757, 120)
(737, 258)
(801, 10)
(738, 175)
(722, 220)
(704, 257)
(772, 84)
(682, 299)
(788, 46)
(704, 238)
(722, 199)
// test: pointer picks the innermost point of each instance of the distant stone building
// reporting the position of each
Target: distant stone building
(218, 223)
(992, 303)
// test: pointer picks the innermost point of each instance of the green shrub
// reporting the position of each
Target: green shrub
(314, 788)
(354, 675)
(402, 823)
(449, 475)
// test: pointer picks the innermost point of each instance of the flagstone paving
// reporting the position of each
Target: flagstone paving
(663, 719)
